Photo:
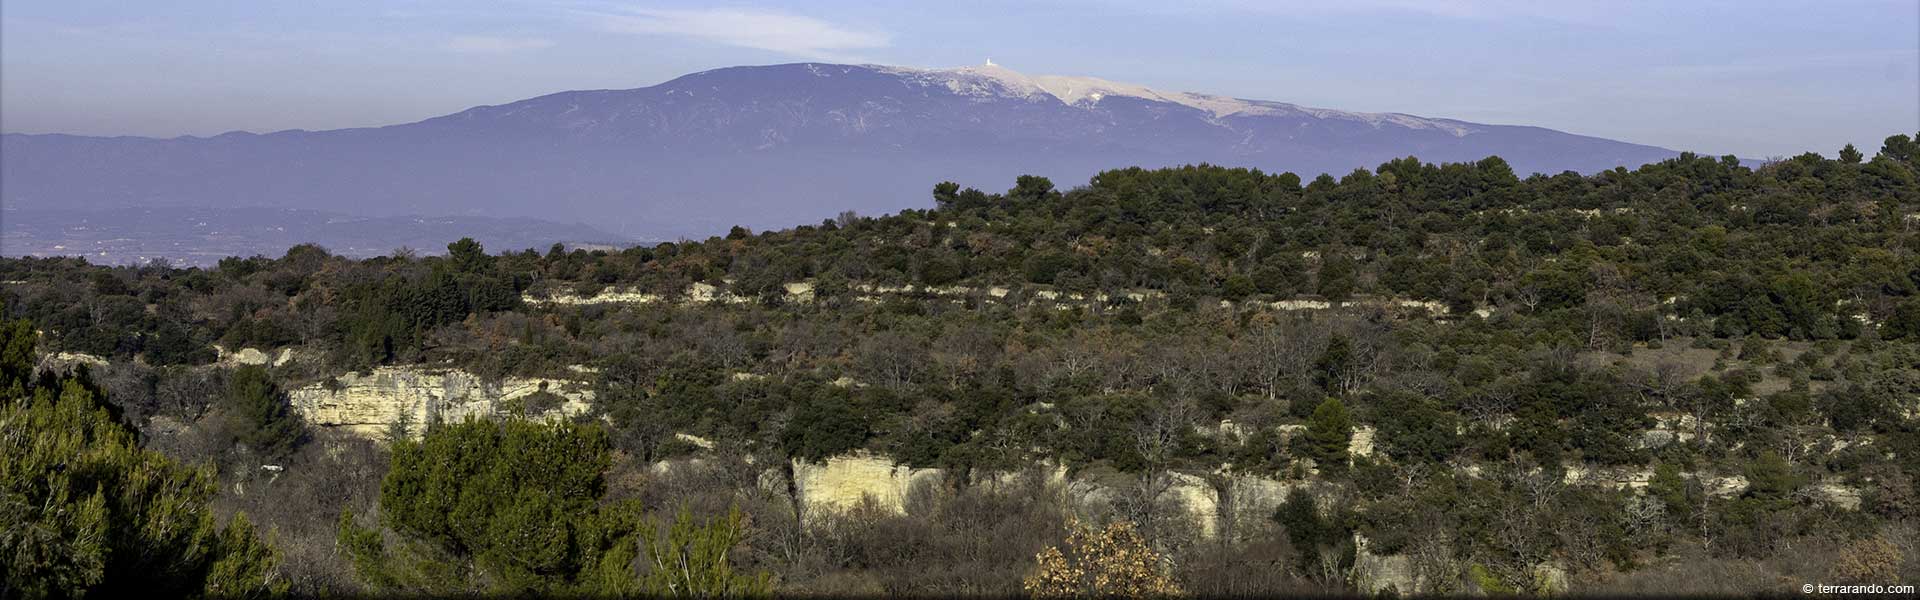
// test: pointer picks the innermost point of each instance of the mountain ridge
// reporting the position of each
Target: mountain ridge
(757, 145)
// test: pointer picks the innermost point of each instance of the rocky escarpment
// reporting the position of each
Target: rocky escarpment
(843, 482)
(253, 356)
(804, 292)
(404, 399)
(1212, 505)
(62, 362)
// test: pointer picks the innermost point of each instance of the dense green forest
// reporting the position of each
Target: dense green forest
(1497, 338)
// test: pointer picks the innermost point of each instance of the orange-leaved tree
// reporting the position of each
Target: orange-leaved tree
(1111, 562)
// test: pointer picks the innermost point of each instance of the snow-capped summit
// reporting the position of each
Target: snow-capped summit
(991, 79)
(761, 146)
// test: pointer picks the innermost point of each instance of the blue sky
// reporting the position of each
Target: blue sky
(1752, 78)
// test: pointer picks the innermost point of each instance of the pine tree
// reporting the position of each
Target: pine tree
(258, 415)
(1769, 477)
(85, 511)
(17, 340)
(692, 559)
(516, 507)
(1670, 488)
(1329, 431)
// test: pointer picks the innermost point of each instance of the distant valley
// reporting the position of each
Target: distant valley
(202, 236)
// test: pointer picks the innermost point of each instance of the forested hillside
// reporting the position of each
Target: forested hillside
(1693, 376)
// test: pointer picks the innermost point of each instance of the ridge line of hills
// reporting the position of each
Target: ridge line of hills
(759, 146)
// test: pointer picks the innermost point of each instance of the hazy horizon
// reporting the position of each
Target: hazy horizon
(1679, 77)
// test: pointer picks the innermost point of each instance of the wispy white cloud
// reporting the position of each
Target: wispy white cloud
(763, 30)
(488, 44)
(1566, 11)
(1562, 10)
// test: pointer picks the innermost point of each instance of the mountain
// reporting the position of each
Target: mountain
(761, 146)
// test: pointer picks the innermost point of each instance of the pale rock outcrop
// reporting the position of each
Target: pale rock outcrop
(841, 482)
(606, 296)
(1230, 431)
(372, 404)
(1841, 496)
(1199, 501)
(1051, 474)
(799, 291)
(697, 441)
(702, 293)
(1301, 305)
(1247, 502)
(804, 292)
(254, 357)
(1615, 478)
(1637, 479)
(60, 362)
(1732, 485)
(241, 357)
(1375, 573)
(1550, 578)
(1658, 438)
(1361, 444)
(1433, 307)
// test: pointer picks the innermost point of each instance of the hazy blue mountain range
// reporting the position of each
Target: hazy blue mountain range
(762, 146)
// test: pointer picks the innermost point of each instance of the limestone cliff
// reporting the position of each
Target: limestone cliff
(373, 404)
(61, 362)
(803, 292)
(841, 482)
(1210, 504)
(252, 356)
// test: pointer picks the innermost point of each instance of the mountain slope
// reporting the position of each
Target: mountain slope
(755, 145)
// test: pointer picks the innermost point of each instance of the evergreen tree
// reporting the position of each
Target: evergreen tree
(1330, 369)
(692, 559)
(467, 256)
(1315, 535)
(1905, 322)
(1670, 489)
(85, 511)
(17, 340)
(516, 507)
(258, 415)
(1329, 431)
(1769, 477)
(945, 194)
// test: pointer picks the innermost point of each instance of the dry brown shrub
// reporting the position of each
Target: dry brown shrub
(1111, 562)
(1869, 560)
